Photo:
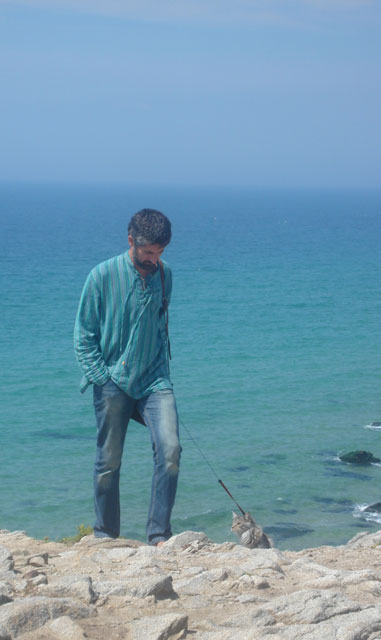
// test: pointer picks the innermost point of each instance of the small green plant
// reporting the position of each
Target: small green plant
(82, 530)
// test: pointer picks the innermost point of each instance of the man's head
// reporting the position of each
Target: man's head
(149, 232)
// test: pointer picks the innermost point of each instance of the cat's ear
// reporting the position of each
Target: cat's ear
(234, 514)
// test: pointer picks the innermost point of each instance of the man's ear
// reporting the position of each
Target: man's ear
(130, 241)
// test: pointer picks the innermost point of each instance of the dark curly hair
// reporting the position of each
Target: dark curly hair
(149, 226)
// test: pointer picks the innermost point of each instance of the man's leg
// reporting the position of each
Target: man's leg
(160, 415)
(113, 409)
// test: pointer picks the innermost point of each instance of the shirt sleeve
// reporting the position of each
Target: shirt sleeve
(168, 284)
(87, 335)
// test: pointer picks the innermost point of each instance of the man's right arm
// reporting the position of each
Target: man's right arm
(87, 334)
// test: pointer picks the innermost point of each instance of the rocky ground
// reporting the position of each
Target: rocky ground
(188, 588)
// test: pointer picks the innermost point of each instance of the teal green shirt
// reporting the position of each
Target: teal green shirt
(120, 328)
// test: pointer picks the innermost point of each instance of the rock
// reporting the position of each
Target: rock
(38, 561)
(306, 607)
(5, 593)
(39, 580)
(185, 539)
(31, 613)
(119, 554)
(165, 627)
(359, 457)
(71, 586)
(158, 586)
(365, 540)
(106, 588)
(229, 592)
(353, 626)
(66, 629)
(374, 508)
(6, 560)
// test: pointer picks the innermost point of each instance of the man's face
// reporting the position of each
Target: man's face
(145, 258)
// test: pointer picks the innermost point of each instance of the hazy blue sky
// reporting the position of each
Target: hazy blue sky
(267, 92)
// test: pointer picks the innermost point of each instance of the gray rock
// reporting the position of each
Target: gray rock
(185, 539)
(361, 625)
(39, 580)
(359, 457)
(200, 582)
(39, 560)
(66, 629)
(6, 592)
(159, 586)
(93, 541)
(309, 606)
(31, 613)
(165, 627)
(115, 555)
(6, 560)
(254, 560)
(374, 508)
(76, 586)
(107, 588)
(365, 540)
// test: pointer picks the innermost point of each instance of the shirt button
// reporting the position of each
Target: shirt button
(123, 362)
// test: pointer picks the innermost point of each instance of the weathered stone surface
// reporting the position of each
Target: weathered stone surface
(185, 539)
(306, 607)
(76, 586)
(159, 586)
(365, 540)
(65, 628)
(31, 613)
(5, 593)
(6, 560)
(39, 561)
(39, 579)
(119, 554)
(165, 627)
(93, 541)
(361, 625)
(106, 588)
(227, 591)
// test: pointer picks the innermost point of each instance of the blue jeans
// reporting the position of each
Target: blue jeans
(113, 410)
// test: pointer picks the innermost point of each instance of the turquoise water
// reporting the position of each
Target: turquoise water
(275, 335)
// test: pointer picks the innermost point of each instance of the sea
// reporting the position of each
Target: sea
(275, 334)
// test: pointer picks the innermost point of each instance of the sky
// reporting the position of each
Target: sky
(191, 92)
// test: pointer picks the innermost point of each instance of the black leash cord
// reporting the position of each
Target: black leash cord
(211, 468)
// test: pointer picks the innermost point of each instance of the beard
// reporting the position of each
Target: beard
(145, 265)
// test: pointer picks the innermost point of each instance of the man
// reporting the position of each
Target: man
(121, 344)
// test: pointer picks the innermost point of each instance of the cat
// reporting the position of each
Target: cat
(250, 534)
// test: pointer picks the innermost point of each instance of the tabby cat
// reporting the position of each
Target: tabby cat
(250, 534)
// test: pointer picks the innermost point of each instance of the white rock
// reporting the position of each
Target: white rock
(120, 554)
(31, 613)
(6, 559)
(159, 586)
(185, 539)
(165, 627)
(76, 586)
(38, 560)
(307, 607)
(365, 540)
(107, 588)
(65, 628)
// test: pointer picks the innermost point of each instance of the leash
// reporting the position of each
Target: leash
(210, 467)
(165, 309)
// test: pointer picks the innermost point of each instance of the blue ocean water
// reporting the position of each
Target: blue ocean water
(275, 333)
